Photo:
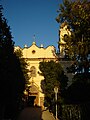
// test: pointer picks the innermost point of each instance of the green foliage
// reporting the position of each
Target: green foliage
(78, 93)
(53, 76)
(23, 65)
(71, 112)
(12, 80)
(5, 35)
(77, 15)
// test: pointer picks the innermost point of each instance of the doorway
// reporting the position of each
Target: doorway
(31, 100)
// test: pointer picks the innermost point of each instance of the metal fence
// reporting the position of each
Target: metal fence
(71, 112)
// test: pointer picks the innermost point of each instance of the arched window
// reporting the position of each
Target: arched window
(33, 71)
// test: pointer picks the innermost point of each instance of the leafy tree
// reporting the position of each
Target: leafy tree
(12, 79)
(53, 76)
(77, 15)
(23, 64)
(6, 51)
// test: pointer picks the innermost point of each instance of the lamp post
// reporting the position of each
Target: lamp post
(56, 91)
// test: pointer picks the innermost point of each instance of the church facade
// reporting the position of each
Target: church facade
(34, 55)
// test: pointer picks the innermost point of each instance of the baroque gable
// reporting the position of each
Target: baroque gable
(39, 52)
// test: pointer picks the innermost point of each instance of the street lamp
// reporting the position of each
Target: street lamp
(56, 91)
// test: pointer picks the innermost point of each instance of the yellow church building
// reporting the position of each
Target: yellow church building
(34, 55)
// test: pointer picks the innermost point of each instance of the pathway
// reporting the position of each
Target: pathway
(35, 113)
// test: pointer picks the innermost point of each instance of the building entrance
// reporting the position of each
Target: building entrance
(33, 96)
(31, 100)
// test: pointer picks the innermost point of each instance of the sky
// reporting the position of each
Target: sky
(32, 20)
